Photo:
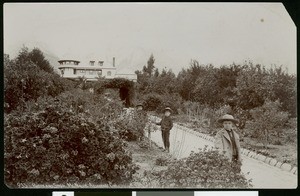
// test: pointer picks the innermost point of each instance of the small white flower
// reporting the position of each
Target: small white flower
(56, 177)
(82, 173)
(84, 140)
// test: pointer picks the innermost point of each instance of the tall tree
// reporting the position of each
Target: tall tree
(150, 66)
(156, 73)
(251, 86)
(38, 58)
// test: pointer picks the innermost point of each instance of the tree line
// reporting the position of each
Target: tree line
(246, 86)
(263, 99)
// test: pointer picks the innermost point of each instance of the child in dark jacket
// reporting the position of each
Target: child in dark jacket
(166, 124)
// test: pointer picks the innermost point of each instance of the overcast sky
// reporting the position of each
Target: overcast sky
(217, 33)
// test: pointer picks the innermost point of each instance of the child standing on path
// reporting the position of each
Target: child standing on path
(141, 118)
(227, 140)
(166, 124)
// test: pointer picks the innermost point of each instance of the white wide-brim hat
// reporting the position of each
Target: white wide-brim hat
(168, 109)
(228, 117)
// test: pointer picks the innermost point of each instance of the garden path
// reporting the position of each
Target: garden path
(263, 175)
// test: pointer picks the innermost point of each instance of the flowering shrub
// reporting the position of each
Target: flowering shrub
(205, 169)
(55, 144)
(102, 110)
(131, 126)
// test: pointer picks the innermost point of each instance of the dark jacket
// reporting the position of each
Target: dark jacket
(166, 123)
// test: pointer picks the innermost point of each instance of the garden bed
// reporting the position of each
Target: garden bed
(285, 153)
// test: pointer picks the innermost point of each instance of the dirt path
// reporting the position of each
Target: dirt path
(146, 159)
(262, 175)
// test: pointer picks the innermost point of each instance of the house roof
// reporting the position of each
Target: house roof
(62, 60)
(86, 67)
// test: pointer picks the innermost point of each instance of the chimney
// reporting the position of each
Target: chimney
(114, 59)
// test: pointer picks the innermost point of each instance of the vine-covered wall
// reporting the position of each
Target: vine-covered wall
(126, 89)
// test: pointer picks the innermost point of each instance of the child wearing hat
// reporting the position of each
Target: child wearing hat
(227, 140)
(166, 124)
(140, 116)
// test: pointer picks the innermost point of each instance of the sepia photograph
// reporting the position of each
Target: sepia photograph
(149, 96)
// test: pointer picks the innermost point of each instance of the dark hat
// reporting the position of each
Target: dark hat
(228, 117)
(168, 108)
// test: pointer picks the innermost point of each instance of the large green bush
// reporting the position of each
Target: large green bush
(53, 143)
(205, 169)
(28, 77)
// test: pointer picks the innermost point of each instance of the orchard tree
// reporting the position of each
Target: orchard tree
(252, 88)
(183, 87)
(267, 120)
(284, 88)
(167, 78)
(187, 79)
(206, 90)
(226, 77)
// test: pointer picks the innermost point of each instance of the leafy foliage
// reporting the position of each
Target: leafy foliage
(150, 66)
(205, 169)
(157, 102)
(241, 88)
(53, 143)
(132, 125)
(267, 120)
(28, 77)
(37, 57)
(152, 101)
(126, 88)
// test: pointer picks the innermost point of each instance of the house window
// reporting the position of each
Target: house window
(74, 71)
(82, 71)
(99, 72)
(100, 63)
(109, 73)
(91, 72)
(92, 63)
(62, 72)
